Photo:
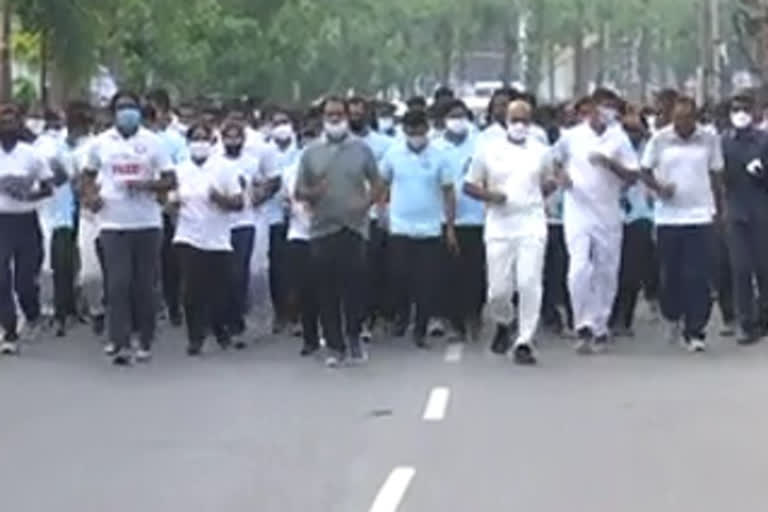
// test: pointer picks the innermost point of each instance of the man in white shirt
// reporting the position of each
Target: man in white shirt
(510, 176)
(597, 160)
(683, 164)
(24, 181)
(126, 175)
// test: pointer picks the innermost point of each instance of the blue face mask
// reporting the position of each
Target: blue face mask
(128, 119)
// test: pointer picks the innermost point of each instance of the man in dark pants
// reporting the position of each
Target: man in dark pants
(24, 180)
(745, 150)
(684, 163)
(339, 179)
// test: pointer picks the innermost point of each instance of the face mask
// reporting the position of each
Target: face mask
(357, 125)
(456, 126)
(517, 132)
(607, 115)
(336, 129)
(282, 132)
(417, 142)
(233, 150)
(200, 150)
(651, 120)
(741, 120)
(128, 119)
(386, 124)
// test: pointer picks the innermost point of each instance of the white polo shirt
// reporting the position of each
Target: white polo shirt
(516, 170)
(686, 164)
(22, 163)
(202, 224)
(300, 219)
(119, 160)
(594, 198)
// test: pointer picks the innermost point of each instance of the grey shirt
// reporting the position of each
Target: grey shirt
(746, 193)
(350, 169)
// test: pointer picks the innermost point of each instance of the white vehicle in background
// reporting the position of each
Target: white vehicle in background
(477, 102)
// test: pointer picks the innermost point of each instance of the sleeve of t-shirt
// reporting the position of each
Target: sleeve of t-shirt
(40, 169)
(371, 168)
(650, 159)
(477, 174)
(447, 171)
(161, 161)
(716, 160)
(268, 168)
(627, 155)
(387, 169)
(93, 158)
(303, 177)
(560, 152)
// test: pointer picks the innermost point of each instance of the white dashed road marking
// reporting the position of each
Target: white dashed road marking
(454, 352)
(437, 404)
(392, 492)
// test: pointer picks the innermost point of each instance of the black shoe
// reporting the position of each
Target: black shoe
(122, 359)
(98, 325)
(240, 344)
(61, 329)
(524, 355)
(308, 350)
(194, 351)
(176, 319)
(421, 342)
(500, 343)
(747, 339)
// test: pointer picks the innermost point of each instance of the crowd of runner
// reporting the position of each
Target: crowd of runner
(428, 224)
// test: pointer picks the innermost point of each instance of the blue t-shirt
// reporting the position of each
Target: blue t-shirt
(469, 211)
(416, 189)
(174, 145)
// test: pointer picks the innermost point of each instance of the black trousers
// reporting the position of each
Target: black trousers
(171, 268)
(64, 267)
(278, 286)
(638, 270)
(21, 258)
(466, 275)
(205, 286)
(379, 287)
(748, 243)
(339, 266)
(415, 277)
(556, 280)
(686, 269)
(240, 276)
(131, 263)
(302, 276)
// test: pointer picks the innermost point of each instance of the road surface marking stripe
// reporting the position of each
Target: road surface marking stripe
(454, 352)
(392, 492)
(437, 404)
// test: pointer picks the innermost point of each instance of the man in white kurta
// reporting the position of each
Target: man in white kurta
(509, 174)
(597, 161)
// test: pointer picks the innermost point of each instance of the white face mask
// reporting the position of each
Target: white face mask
(386, 123)
(741, 120)
(282, 132)
(200, 149)
(651, 120)
(456, 126)
(417, 142)
(608, 115)
(517, 132)
(336, 129)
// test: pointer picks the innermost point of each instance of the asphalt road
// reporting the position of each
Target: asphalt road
(645, 427)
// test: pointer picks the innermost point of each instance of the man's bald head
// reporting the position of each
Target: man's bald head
(519, 111)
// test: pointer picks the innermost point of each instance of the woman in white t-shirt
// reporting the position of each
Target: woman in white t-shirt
(209, 191)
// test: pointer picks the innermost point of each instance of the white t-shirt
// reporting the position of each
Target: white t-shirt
(22, 163)
(685, 163)
(250, 172)
(594, 198)
(300, 218)
(119, 160)
(516, 170)
(202, 224)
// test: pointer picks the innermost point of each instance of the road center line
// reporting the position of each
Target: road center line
(454, 352)
(437, 404)
(392, 492)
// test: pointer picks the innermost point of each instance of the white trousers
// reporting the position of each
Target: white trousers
(516, 265)
(593, 274)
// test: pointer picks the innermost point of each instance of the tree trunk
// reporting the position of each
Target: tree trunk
(510, 47)
(6, 66)
(44, 60)
(579, 78)
(551, 69)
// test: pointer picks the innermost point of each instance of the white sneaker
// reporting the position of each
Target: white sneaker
(366, 336)
(32, 330)
(436, 328)
(8, 348)
(110, 349)
(673, 332)
(695, 346)
(143, 356)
